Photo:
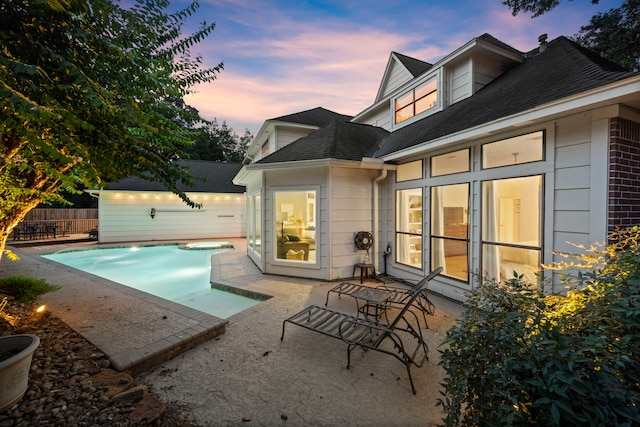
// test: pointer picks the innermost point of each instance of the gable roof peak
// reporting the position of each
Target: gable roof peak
(563, 70)
(413, 65)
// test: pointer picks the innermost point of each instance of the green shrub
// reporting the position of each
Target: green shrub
(519, 357)
(24, 288)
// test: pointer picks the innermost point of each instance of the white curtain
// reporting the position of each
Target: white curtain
(437, 227)
(403, 225)
(491, 253)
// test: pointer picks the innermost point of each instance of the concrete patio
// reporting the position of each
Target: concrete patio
(245, 375)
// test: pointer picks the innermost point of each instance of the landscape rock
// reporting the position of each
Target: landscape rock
(70, 386)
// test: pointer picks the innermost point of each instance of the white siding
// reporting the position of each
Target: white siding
(459, 82)
(571, 217)
(396, 77)
(351, 212)
(125, 216)
(484, 72)
(380, 117)
(286, 135)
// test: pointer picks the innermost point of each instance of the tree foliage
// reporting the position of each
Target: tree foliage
(519, 357)
(535, 7)
(85, 91)
(218, 143)
(614, 35)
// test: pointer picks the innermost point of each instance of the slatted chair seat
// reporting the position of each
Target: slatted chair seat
(397, 298)
(404, 332)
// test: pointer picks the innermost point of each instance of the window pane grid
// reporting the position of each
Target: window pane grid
(418, 100)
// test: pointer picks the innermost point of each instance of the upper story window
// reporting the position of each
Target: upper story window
(419, 99)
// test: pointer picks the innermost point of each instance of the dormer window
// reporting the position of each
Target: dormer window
(419, 99)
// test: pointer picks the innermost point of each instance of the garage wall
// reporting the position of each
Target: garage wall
(124, 216)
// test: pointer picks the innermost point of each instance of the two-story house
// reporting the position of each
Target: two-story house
(489, 160)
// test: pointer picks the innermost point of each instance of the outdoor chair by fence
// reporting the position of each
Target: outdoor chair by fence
(67, 228)
(397, 298)
(401, 338)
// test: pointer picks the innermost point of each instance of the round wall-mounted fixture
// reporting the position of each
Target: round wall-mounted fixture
(363, 240)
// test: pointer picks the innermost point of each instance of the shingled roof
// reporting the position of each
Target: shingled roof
(494, 41)
(415, 66)
(316, 117)
(563, 69)
(338, 140)
(217, 176)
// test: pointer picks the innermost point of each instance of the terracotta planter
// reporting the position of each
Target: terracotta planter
(16, 352)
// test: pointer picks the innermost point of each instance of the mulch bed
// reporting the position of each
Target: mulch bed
(71, 382)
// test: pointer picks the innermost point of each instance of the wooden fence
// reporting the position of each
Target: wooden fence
(65, 221)
(47, 214)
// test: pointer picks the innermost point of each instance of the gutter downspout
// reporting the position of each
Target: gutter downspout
(375, 184)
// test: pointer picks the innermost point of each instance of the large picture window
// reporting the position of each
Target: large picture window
(511, 227)
(450, 230)
(295, 225)
(409, 227)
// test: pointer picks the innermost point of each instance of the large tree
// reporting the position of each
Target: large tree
(219, 142)
(212, 141)
(86, 87)
(615, 34)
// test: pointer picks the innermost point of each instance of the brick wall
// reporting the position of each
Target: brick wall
(624, 173)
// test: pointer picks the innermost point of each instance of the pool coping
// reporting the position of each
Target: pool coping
(203, 326)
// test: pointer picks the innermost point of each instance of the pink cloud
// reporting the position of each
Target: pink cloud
(282, 64)
(336, 70)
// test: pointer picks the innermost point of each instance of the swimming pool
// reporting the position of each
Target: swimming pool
(179, 275)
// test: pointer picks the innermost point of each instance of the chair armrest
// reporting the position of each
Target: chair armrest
(394, 288)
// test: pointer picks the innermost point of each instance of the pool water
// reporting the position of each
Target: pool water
(179, 275)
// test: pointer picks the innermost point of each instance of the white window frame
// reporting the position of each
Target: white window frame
(437, 76)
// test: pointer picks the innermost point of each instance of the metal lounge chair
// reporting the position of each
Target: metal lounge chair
(402, 332)
(397, 298)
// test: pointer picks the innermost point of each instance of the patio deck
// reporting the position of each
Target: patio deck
(247, 375)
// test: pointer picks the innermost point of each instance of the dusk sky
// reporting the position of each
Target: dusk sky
(282, 57)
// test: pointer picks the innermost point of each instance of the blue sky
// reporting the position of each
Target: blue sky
(281, 57)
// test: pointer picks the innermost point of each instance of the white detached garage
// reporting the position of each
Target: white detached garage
(133, 209)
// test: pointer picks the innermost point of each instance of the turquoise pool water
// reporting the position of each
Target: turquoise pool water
(175, 274)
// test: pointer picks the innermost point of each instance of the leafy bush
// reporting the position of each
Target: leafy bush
(24, 288)
(519, 357)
